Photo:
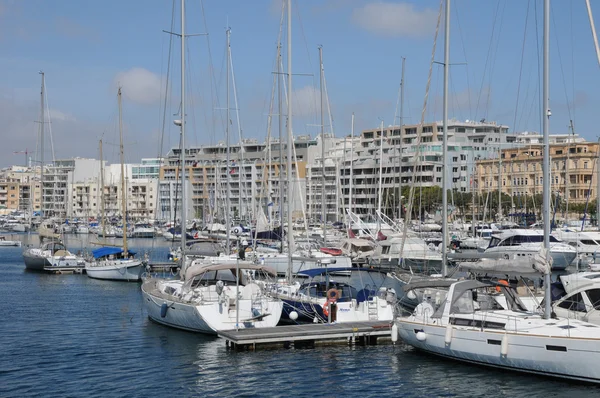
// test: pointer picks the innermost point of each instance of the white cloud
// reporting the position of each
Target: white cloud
(306, 101)
(58, 115)
(139, 85)
(395, 19)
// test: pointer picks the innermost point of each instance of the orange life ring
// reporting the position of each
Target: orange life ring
(501, 282)
(326, 309)
(333, 295)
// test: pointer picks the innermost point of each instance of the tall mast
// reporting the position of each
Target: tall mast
(280, 112)
(323, 196)
(182, 179)
(400, 139)
(123, 188)
(228, 178)
(102, 193)
(546, 163)
(380, 177)
(290, 141)
(598, 186)
(43, 122)
(350, 205)
(445, 144)
(566, 216)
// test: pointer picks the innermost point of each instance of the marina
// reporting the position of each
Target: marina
(66, 345)
(418, 257)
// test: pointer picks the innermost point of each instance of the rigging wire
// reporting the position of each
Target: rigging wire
(487, 59)
(521, 66)
(562, 71)
(214, 91)
(493, 63)
(419, 132)
(470, 114)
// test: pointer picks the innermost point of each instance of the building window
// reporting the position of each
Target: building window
(585, 165)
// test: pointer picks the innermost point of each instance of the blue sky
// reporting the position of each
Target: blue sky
(87, 47)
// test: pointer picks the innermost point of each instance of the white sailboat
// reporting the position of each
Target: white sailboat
(471, 325)
(209, 298)
(116, 263)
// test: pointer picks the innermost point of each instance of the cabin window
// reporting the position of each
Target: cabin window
(464, 304)
(573, 303)
(594, 296)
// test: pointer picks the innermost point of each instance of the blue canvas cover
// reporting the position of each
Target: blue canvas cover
(109, 250)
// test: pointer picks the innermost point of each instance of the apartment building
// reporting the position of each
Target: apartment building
(393, 156)
(255, 176)
(519, 170)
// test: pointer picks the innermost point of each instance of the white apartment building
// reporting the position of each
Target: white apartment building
(398, 160)
(251, 179)
(72, 189)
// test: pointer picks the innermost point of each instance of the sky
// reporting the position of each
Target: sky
(89, 48)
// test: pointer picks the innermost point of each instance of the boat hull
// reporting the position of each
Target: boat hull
(53, 263)
(207, 318)
(129, 271)
(10, 243)
(541, 355)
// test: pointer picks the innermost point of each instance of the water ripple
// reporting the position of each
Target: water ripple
(74, 336)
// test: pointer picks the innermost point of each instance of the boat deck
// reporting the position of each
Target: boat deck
(308, 335)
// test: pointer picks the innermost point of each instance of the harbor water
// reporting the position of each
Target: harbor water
(69, 335)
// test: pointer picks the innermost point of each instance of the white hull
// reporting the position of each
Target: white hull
(208, 317)
(524, 352)
(19, 228)
(116, 270)
(561, 259)
(10, 243)
(280, 262)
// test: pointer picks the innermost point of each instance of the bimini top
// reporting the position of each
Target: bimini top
(200, 269)
(312, 272)
(109, 250)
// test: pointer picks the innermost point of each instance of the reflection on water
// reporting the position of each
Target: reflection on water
(71, 335)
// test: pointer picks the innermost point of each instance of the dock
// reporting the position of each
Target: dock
(308, 335)
(172, 267)
(58, 270)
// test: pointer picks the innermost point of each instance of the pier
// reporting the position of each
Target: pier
(308, 335)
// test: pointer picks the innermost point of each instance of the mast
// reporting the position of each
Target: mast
(566, 215)
(43, 113)
(290, 140)
(123, 188)
(380, 178)
(228, 178)
(323, 196)
(183, 201)
(546, 162)
(445, 144)
(102, 193)
(400, 140)
(279, 77)
(598, 186)
(350, 203)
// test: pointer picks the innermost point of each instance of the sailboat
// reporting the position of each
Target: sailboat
(471, 324)
(111, 262)
(52, 256)
(209, 298)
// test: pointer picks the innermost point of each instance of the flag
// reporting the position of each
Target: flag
(232, 169)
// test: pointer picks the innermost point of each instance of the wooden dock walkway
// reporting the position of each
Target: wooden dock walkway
(308, 335)
(164, 267)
